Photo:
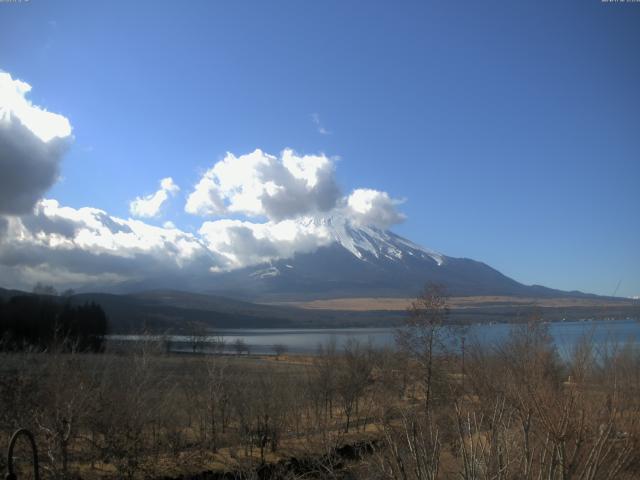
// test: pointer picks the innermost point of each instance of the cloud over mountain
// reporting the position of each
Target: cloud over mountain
(87, 245)
(32, 143)
(246, 243)
(373, 207)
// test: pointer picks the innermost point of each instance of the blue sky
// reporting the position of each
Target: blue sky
(510, 128)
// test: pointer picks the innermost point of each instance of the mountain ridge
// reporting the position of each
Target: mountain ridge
(366, 261)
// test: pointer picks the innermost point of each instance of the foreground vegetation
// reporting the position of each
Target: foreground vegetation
(422, 411)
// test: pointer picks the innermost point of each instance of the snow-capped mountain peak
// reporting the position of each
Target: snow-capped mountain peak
(355, 260)
(366, 241)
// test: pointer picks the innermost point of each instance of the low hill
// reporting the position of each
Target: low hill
(176, 311)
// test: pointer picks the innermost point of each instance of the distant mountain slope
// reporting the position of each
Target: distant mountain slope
(369, 262)
(6, 294)
(353, 261)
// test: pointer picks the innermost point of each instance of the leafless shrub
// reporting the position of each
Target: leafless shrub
(411, 447)
(354, 374)
(427, 338)
(66, 396)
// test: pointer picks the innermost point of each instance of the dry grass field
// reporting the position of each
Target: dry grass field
(399, 304)
(510, 412)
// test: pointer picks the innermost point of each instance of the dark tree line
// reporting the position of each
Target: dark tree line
(43, 322)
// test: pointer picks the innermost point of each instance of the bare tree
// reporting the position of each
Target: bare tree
(240, 346)
(424, 333)
(410, 449)
(66, 392)
(218, 397)
(279, 349)
(353, 377)
(197, 336)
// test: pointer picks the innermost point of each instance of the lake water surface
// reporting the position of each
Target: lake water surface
(306, 341)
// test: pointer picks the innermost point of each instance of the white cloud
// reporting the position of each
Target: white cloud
(150, 205)
(86, 246)
(32, 143)
(42, 123)
(87, 243)
(258, 184)
(246, 243)
(373, 207)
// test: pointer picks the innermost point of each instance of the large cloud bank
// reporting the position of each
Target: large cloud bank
(279, 204)
(32, 143)
(79, 246)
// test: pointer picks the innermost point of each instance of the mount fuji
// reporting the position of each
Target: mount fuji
(366, 261)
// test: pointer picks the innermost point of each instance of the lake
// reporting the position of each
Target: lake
(306, 341)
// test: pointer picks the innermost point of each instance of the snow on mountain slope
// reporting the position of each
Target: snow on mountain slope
(363, 241)
(340, 258)
(366, 261)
